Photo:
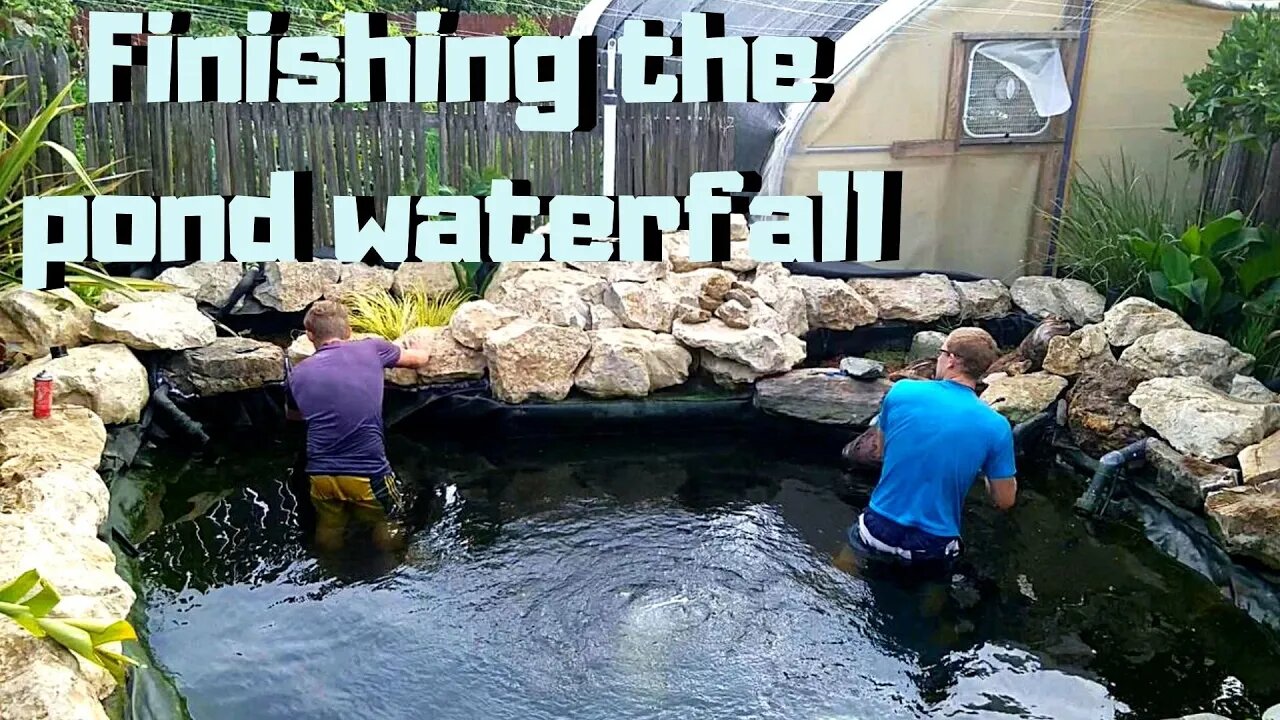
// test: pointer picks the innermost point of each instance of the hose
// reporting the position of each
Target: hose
(165, 405)
(248, 281)
(1102, 486)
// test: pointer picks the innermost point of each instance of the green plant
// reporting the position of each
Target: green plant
(1105, 209)
(526, 25)
(29, 599)
(1213, 274)
(389, 316)
(1235, 98)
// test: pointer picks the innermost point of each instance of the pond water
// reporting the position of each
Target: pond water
(668, 578)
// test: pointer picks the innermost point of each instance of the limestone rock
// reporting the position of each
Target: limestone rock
(740, 260)
(1251, 389)
(210, 283)
(862, 368)
(1261, 463)
(623, 271)
(1248, 521)
(230, 364)
(534, 360)
(833, 305)
(726, 373)
(449, 359)
(358, 279)
(112, 299)
(692, 315)
(37, 321)
(1272, 713)
(821, 395)
(923, 298)
(1187, 480)
(734, 314)
(1135, 317)
(1186, 353)
(781, 291)
(70, 434)
(1044, 297)
(1199, 419)
(984, 299)
(630, 362)
(1030, 354)
(431, 278)
(675, 248)
(1069, 355)
(554, 297)
(164, 322)
(508, 271)
(764, 351)
(602, 318)
(292, 286)
(42, 679)
(473, 321)
(104, 378)
(69, 495)
(1022, 397)
(926, 345)
(646, 306)
(1099, 415)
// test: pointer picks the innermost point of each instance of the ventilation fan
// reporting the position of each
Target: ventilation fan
(998, 103)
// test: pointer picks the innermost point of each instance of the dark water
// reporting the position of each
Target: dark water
(680, 579)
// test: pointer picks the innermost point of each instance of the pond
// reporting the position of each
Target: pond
(672, 578)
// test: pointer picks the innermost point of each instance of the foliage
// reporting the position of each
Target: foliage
(390, 317)
(44, 20)
(1092, 242)
(20, 176)
(29, 599)
(526, 25)
(1235, 98)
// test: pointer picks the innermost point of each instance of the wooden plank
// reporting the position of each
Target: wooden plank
(1018, 35)
(945, 148)
(956, 87)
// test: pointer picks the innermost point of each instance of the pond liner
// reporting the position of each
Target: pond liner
(847, 270)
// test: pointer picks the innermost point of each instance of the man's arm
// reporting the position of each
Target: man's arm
(412, 358)
(1001, 470)
(1003, 492)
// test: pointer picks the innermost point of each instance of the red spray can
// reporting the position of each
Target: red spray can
(42, 399)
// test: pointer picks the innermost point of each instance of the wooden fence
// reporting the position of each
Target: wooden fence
(1247, 181)
(382, 149)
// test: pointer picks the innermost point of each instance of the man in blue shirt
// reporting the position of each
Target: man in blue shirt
(938, 436)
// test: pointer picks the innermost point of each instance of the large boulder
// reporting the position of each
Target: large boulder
(292, 286)
(210, 283)
(923, 298)
(821, 395)
(642, 305)
(833, 305)
(431, 278)
(1044, 297)
(359, 279)
(726, 373)
(227, 365)
(1069, 355)
(105, 378)
(1187, 480)
(70, 434)
(1186, 353)
(764, 351)
(166, 321)
(37, 321)
(984, 299)
(675, 249)
(926, 345)
(507, 272)
(1022, 397)
(531, 360)
(554, 297)
(862, 368)
(781, 291)
(623, 271)
(630, 362)
(1261, 462)
(1099, 415)
(42, 679)
(473, 321)
(602, 318)
(1135, 317)
(1247, 519)
(66, 494)
(1198, 419)
(449, 360)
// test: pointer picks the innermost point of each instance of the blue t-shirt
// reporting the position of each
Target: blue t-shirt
(338, 390)
(938, 436)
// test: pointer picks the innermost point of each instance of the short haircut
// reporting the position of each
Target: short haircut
(327, 320)
(974, 348)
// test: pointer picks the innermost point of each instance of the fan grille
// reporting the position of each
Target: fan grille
(987, 111)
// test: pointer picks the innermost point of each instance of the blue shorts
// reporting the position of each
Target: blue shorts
(881, 537)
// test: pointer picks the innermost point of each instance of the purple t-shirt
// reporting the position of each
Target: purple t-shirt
(338, 390)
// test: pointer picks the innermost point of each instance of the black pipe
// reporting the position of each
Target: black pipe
(1025, 428)
(191, 428)
(248, 281)
(1092, 501)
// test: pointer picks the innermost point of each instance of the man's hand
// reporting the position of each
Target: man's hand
(1003, 492)
(413, 358)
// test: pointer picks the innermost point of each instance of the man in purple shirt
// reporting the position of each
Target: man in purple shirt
(338, 392)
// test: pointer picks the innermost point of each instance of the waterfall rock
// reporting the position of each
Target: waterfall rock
(71, 434)
(473, 321)
(1135, 317)
(764, 351)
(923, 298)
(164, 322)
(1099, 415)
(1186, 353)
(726, 373)
(531, 360)
(1261, 462)
(926, 345)
(292, 286)
(554, 297)
(431, 278)
(984, 299)
(230, 364)
(449, 360)
(32, 322)
(1022, 397)
(1247, 519)
(623, 271)
(507, 272)
(104, 378)
(66, 494)
(630, 362)
(833, 305)
(647, 306)
(358, 279)
(1198, 419)
(862, 368)
(1069, 355)
(1251, 389)
(1187, 480)
(210, 283)
(821, 395)
(1068, 298)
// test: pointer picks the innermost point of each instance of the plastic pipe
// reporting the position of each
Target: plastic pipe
(610, 121)
(248, 281)
(160, 398)
(1092, 501)
(1029, 426)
